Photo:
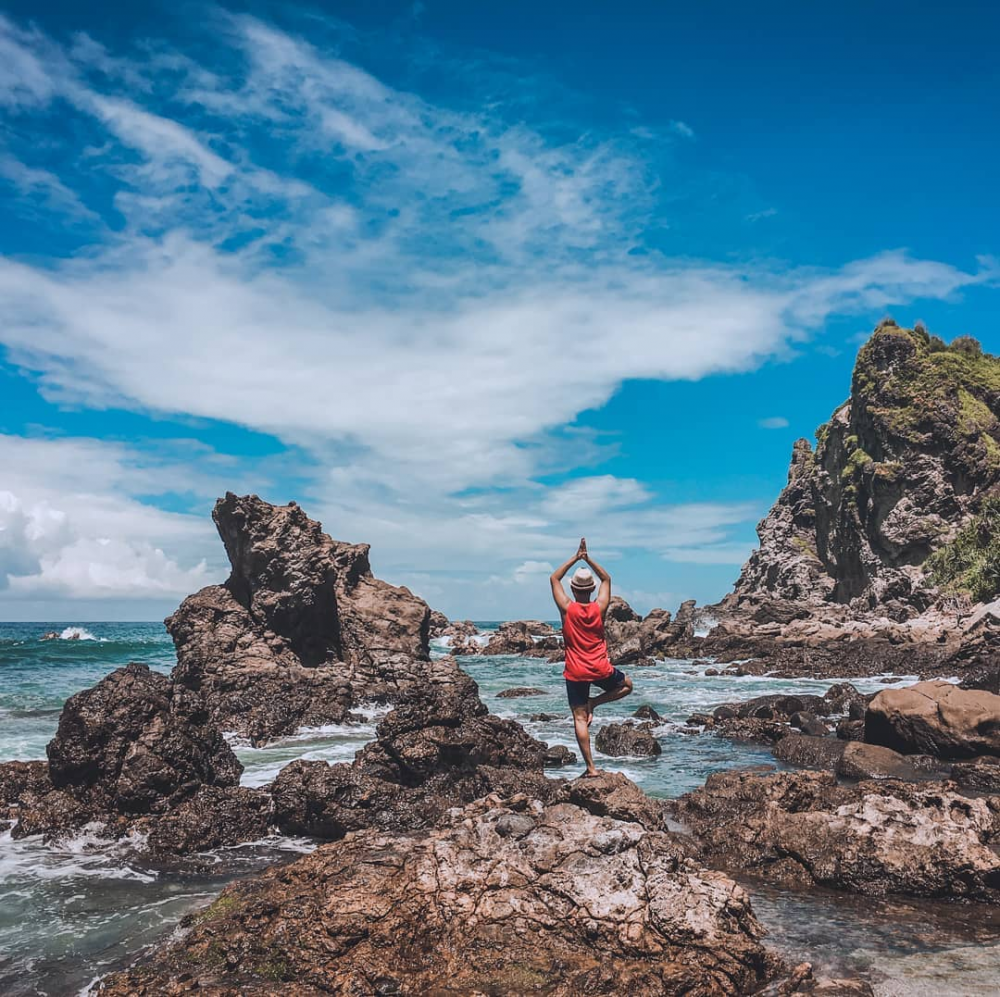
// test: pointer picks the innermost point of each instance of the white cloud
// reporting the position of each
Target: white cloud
(773, 422)
(73, 525)
(421, 298)
(530, 572)
(42, 553)
(35, 183)
(713, 553)
(583, 497)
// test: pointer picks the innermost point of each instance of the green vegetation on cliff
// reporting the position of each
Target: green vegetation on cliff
(931, 389)
(970, 563)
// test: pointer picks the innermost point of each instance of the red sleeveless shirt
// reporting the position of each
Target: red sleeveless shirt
(583, 639)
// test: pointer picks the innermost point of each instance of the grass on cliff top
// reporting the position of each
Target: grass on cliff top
(970, 563)
(934, 379)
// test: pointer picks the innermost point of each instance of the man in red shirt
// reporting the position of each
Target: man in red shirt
(586, 649)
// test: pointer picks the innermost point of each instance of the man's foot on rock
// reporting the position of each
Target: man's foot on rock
(591, 774)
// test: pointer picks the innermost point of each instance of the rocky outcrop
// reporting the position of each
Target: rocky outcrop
(508, 897)
(611, 794)
(518, 637)
(136, 744)
(646, 712)
(301, 630)
(640, 641)
(770, 719)
(627, 739)
(981, 775)
(428, 756)
(136, 753)
(897, 473)
(19, 781)
(872, 838)
(437, 623)
(935, 718)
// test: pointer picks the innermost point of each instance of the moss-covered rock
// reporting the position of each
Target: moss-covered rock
(876, 513)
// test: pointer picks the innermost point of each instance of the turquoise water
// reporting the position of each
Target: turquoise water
(68, 914)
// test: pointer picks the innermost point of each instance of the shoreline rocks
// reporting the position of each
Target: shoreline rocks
(935, 718)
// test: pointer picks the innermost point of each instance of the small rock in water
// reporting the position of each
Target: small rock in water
(627, 739)
(519, 692)
(557, 755)
(815, 728)
(544, 717)
(646, 712)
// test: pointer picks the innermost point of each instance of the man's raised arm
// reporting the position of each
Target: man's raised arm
(555, 579)
(604, 592)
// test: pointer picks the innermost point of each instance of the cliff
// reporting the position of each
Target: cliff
(895, 509)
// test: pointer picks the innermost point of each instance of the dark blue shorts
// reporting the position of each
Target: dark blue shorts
(579, 692)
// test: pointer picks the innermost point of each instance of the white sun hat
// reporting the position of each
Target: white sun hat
(582, 579)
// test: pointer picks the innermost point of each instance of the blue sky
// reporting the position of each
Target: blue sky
(467, 281)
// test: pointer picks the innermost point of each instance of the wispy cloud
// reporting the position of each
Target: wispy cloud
(392, 284)
(773, 422)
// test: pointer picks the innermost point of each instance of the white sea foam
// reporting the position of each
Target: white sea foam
(79, 633)
(86, 855)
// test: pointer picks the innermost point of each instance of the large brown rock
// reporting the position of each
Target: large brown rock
(872, 838)
(507, 898)
(300, 631)
(935, 718)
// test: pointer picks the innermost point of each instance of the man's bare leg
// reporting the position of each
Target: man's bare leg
(581, 725)
(609, 697)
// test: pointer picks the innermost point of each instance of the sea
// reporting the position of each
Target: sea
(71, 913)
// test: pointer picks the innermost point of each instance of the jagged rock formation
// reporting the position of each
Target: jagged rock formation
(429, 755)
(872, 838)
(300, 631)
(137, 753)
(879, 514)
(518, 637)
(504, 897)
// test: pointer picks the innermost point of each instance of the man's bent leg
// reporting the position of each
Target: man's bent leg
(613, 694)
(581, 725)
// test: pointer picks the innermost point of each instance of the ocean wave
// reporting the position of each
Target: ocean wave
(74, 633)
(86, 855)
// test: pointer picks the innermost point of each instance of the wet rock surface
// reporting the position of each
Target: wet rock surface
(496, 901)
(301, 630)
(520, 692)
(872, 838)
